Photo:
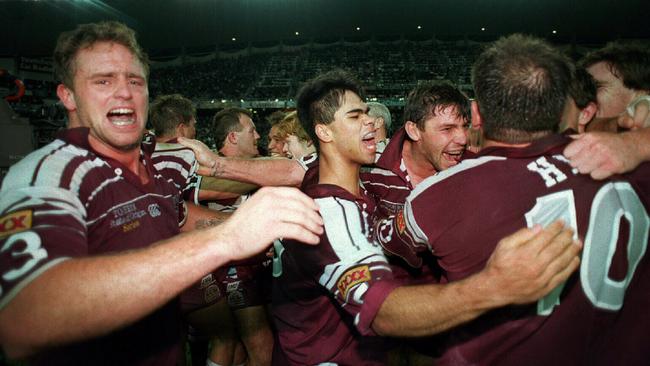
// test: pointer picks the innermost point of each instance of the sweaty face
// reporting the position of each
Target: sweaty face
(354, 131)
(612, 95)
(275, 143)
(247, 138)
(110, 95)
(444, 138)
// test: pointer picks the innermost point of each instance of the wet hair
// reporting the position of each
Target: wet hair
(430, 98)
(320, 98)
(628, 61)
(85, 36)
(521, 85)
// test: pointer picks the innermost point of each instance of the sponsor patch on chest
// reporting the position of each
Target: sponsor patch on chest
(15, 222)
(352, 278)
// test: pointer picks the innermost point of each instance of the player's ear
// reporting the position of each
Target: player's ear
(412, 130)
(586, 115)
(66, 95)
(323, 132)
(232, 137)
(477, 120)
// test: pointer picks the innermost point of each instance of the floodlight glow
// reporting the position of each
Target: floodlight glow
(483, 29)
(419, 27)
(358, 28)
(297, 33)
(234, 39)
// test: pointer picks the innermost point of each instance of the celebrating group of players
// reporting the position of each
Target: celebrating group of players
(510, 252)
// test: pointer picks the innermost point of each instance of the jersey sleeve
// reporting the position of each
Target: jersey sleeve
(39, 228)
(353, 269)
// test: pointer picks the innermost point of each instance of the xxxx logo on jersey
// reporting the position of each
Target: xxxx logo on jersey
(352, 278)
(15, 222)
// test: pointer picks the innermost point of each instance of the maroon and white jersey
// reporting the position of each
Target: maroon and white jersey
(597, 316)
(325, 297)
(66, 201)
(178, 163)
(388, 180)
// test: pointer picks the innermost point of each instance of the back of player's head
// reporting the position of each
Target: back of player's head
(319, 98)
(629, 61)
(376, 109)
(430, 98)
(583, 88)
(168, 111)
(290, 125)
(85, 36)
(225, 122)
(521, 85)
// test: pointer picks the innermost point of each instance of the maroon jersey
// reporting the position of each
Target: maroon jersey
(325, 297)
(462, 213)
(388, 180)
(178, 164)
(66, 201)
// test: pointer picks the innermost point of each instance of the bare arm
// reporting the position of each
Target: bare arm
(602, 154)
(112, 291)
(263, 172)
(524, 267)
(225, 186)
(199, 217)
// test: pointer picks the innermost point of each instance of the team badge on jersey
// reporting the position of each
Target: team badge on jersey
(352, 278)
(399, 222)
(154, 210)
(15, 222)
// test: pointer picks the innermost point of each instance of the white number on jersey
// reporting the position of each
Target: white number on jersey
(613, 202)
(32, 249)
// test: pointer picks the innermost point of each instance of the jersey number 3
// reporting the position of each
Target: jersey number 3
(612, 203)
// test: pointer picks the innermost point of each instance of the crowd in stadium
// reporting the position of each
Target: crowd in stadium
(507, 228)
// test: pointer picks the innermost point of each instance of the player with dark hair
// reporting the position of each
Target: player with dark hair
(581, 107)
(234, 130)
(327, 302)
(521, 178)
(622, 75)
(93, 263)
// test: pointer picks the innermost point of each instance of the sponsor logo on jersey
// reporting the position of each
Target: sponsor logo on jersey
(154, 210)
(207, 281)
(126, 214)
(400, 223)
(352, 278)
(130, 226)
(15, 222)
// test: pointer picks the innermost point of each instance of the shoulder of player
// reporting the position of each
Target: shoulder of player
(49, 164)
(464, 166)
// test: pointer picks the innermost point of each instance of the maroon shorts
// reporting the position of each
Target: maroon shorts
(209, 290)
(248, 285)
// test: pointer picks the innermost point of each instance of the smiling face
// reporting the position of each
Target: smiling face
(353, 131)
(275, 143)
(110, 96)
(444, 138)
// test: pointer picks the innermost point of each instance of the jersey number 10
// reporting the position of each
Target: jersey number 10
(612, 203)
